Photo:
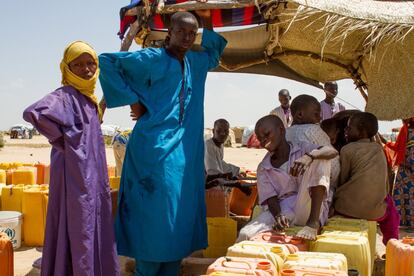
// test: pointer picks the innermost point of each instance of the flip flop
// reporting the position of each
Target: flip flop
(307, 233)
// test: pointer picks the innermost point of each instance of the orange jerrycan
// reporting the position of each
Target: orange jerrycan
(354, 245)
(400, 257)
(111, 171)
(41, 170)
(293, 244)
(242, 204)
(217, 202)
(244, 266)
(6, 255)
(34, 208)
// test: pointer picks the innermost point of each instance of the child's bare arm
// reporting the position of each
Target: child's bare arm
(301, 164)
(281, 221)
(324, 153)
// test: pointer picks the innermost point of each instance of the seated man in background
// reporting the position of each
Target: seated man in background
(214, 152)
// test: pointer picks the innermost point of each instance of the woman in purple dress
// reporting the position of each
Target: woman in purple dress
(79, 238)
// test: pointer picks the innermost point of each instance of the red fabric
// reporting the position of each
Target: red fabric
(253, 142)
(396, 151)
(125, 23)
(158, 23)
(216, 17)
(248, 15)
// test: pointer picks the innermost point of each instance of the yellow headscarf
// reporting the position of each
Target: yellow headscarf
(85, 87)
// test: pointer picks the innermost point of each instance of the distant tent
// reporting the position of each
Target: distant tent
(109, 130)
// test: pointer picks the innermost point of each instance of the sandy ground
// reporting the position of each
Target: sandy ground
(38, 150)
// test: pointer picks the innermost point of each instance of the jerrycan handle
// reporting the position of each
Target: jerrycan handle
(228, 261)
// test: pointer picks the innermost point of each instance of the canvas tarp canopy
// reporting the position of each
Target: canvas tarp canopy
(312, 41)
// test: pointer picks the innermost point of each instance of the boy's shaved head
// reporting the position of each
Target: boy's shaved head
(366, 122)
(221, 122)
(301, 102)
(181, 17)
(269, 120)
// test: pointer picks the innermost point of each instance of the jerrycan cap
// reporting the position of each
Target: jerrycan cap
(287, 272)
(293, 257)
(264, 265)
(276, 250)
(408, 240)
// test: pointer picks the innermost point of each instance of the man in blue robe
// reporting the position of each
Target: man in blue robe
(161, 213)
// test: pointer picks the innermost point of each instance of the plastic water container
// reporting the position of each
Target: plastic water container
(276, 253)
(303, 271)
(244, 266)
(3, 176)
(354, 245)
(400, 257)
(11, 198)
(114, 182)
(338, 223)
(34, 208)
(217, 200)
(222, 233)
(9, 176)
(330, 261)
(292, 243)
(47, 174)
(242, 204)
(11, 224)
(41, 169)
(25, 176)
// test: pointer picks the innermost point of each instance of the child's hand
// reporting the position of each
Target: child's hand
(300, 165)
(281, 223)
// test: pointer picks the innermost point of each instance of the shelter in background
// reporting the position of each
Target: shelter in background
(309, 41)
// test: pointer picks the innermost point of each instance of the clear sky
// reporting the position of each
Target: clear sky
(35, 33)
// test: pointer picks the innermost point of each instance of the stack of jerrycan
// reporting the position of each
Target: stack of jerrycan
(275, 253)
(400, 257)
(318, 260)
(243, 266)
(34, 209)
(338, 223)
(354, 245)
(222, 233)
